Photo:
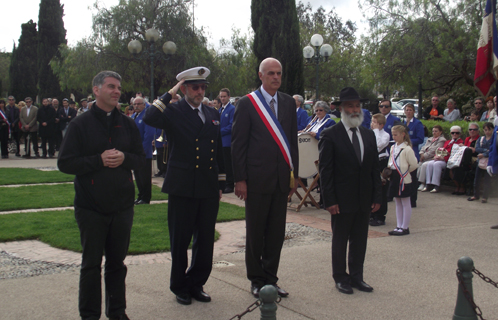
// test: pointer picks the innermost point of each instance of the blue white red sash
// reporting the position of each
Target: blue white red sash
(272, 124)
(402, 176)
(4, 117)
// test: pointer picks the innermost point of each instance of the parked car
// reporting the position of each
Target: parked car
(404, 102)
(398, 108)
(308, 105)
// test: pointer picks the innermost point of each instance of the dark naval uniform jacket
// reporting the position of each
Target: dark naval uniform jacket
(195, 160)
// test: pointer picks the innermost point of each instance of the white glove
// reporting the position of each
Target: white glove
(490, 170)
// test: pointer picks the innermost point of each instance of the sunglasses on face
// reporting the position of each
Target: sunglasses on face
(318, 110)
(384, 106)
(455, 133)
(477, 102)
(470, 129)
(196, 87)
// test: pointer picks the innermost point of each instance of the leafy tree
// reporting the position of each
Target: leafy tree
(432, 40)
(114, 28)
(276, 34)
(23, 69)
(233, 66)
(5, 58)
(51, 35)
(343, 68)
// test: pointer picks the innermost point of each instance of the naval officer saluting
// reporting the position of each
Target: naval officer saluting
(195, 178)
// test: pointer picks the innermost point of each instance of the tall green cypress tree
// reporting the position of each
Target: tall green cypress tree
(276, 34)
(51, 34)
(23, 68)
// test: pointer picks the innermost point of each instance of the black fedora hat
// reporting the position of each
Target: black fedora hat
(348, 94)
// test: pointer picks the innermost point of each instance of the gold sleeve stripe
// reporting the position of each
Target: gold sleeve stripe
(222, 177)
(160, 105)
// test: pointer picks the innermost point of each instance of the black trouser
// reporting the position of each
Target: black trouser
(189, 217)
(143, 178)
(381, 213)
(160, 160)
(58, 139)
(51, 145)
(4, 140)
(227, 157)
(107, 234)
(33, 139)
(265, 232)
(16, 137)
(414, 195)
(349, 227)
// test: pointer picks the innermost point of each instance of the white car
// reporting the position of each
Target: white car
(398, 108)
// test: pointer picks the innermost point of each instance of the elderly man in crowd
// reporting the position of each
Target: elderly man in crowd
(143, 175)
(28, 118)
(302, 115)
(434, 112)
(46, 129)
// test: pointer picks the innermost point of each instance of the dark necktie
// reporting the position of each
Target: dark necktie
(272, 106)
(356, 144)
(198, 117)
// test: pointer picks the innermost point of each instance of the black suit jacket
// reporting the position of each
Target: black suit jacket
(46, 114)
(256, 157)
(63, 118)
(195, 151)
(344, 181)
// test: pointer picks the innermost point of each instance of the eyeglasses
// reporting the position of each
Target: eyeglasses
(384, 106)
(455, 133)
(196, 87)
(472, 129)
(318, 110)
(477, 102)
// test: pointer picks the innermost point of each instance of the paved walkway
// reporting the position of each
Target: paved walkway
(413, 276)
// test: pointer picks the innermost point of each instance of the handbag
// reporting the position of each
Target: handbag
(456, 156)
(483, 162)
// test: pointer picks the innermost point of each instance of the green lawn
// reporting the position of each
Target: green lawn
(29, 176)
(59, 229)
(48, 196)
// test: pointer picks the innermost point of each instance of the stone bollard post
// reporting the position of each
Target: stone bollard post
(463, 309)
(268, 295)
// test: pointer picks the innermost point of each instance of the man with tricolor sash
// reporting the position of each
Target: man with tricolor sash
(265, 162)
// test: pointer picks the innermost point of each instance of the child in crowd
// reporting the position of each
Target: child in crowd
(402, 161)
(378, 218)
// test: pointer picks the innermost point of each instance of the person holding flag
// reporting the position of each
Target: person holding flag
(265, 162)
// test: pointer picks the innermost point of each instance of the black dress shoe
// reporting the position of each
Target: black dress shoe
(361, 285)
(201, 296)
(137, 200)
(142, 202)
(159, 174)
(228, 190)
(121, 317)
(184, 298)
(344, 287)
(255, 291)
(281, 292)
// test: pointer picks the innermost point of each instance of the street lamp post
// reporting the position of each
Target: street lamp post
(135, 47)
(317, 54)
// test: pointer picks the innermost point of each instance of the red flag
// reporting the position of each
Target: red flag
(487, 50)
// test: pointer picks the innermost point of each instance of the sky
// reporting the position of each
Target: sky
(216, 16)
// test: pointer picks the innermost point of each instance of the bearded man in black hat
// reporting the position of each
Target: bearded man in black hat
(351, 189)
(194, 180)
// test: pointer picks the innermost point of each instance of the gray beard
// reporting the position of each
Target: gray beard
(350, 121)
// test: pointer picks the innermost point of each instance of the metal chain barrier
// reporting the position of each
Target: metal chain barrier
(483, 277)
(251, 308)
(467, 294)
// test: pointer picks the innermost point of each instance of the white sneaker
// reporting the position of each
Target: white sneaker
(422, 186)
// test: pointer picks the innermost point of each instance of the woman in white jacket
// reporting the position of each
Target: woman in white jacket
(402, 161)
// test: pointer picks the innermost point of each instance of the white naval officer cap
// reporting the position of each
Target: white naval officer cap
(194, 75)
